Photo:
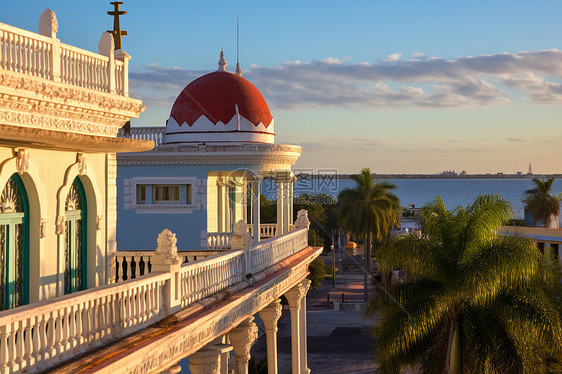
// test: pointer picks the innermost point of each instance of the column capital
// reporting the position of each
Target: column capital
(295, 295)
(242, 337)
(271, 314)
(306, 285)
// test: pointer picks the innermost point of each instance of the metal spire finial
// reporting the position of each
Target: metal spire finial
(222, 62)
(238, 69)
(117, 33)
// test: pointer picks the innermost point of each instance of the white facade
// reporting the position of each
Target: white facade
(58, 126)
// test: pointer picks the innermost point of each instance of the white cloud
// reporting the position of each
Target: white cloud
(418, 82)
(392, 57)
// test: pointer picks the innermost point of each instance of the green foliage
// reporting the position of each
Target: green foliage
(369, 208)
(540, 202)
(515, 222)
(268, 210)
(472, 299)
(318, 270)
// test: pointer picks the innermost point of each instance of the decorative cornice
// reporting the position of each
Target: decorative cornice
(36, 102)
(239, 154)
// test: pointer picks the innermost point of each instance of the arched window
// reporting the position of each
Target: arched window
(75, 239)
(14, 239)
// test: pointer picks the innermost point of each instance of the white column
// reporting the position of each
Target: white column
(205, 361)
(226, 208)
(286, 208)
(303, 329)
(270, 315)
(291, 202)
(256, 206)
(220, 205)
(242, 337)
(280, 210)
(294, 296)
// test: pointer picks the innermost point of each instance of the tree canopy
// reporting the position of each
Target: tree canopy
(472, 301)
(541, 203)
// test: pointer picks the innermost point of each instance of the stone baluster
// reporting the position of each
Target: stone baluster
(29, 355)
(294, 296)
(242, 337)
(270, 315)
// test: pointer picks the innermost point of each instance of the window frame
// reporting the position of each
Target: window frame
(187, 189)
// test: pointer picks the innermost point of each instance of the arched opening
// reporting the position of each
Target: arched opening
(75, 246)
(14, 244)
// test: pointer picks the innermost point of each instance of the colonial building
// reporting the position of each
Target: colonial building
(206, 171)
(60, 110)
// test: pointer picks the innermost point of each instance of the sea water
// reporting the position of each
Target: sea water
(418, 192)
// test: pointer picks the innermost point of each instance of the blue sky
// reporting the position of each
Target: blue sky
(407, 87)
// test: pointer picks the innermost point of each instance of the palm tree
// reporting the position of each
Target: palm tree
(369, 210)
(472, 301)
(541, 203)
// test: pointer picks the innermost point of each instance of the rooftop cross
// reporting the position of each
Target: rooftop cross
(117, 33)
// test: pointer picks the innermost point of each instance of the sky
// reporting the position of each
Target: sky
(400, 87)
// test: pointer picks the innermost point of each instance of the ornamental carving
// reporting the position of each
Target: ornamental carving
(42, 228)
(271, 314)
(82, 164)
(242, 337)
(49, 91)
(48, 24)
(295, 295)
(22, 161)
(167, 252)
(60, 225)
(302, 219)
(241, 237)
(106, 45)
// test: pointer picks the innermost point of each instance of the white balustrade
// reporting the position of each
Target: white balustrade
(37, 336)
(267, 230)
(155, 134)
(41, 56)
(203, 278)
(133, 264)
(269, 252)
(219, 240)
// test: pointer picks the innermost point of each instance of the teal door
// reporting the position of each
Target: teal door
(75, 239)
(14, 251)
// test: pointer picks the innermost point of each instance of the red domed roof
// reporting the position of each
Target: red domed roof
(215, 95)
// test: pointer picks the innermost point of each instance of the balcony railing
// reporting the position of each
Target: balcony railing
(38, 336)
(133, 264)
(267, 230)
(45, 57)
(156, 134)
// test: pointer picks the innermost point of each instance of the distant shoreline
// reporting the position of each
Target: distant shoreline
(434, 176)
